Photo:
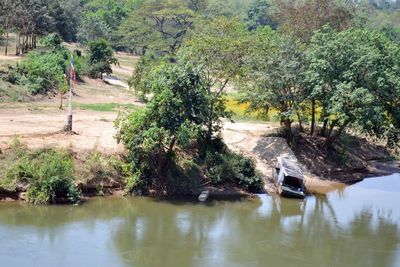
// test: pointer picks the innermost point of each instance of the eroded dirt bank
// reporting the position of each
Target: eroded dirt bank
(323, 171)
(95, 130)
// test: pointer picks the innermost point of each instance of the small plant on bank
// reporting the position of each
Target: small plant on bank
(47, 174)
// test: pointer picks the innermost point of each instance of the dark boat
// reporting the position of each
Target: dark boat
(289, 178)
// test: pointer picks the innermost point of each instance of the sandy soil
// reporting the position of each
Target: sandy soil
(39, 124)
(11, 58)
(40, 129)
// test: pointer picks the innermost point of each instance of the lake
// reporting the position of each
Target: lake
(355, 226)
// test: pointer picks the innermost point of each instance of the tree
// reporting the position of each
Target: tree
(101, 19)
(159, 26)
(6, 19)
(92, 28)
(258, 15)
(276, 80)
(354, 76)
(222, 46)
(31, 19)
(166, 142)
(66, 15)
(175, 115)
(100, 58)
(302, 17)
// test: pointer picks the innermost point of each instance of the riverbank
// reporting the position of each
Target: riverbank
(350, 160)
(98, 170)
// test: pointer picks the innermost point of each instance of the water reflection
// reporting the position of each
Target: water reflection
(356, 227)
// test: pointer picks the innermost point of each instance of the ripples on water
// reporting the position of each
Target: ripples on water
(355, 226)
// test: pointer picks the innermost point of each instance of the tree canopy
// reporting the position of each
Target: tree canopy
(100, 58)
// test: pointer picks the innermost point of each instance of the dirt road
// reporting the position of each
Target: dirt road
(41, 129)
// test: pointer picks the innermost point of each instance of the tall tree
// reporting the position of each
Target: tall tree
(355, 77)
(100, 58)
(101, 19)
(222, 46)
(158, 26)
(259, 15)
(6, 19)
(302, 17)
(276, 80)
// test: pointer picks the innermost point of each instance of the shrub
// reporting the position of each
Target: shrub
(41, 72)
(224, 166)
(47, 173)
(52, 40)
(44, 71)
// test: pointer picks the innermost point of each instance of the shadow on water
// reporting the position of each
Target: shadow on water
(358, 226)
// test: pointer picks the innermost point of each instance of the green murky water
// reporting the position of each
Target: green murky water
(358, 226)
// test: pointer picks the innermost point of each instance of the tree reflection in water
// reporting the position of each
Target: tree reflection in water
(291, 233)
(342, 230)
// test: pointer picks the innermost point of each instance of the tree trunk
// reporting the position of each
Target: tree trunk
(331, 127)
(17, 45)
(61, 100)
(26, 47)
(288, 127)
(312, 116)
(332, 137)
(210, 123)
(6, 28)
(323, 130)
(301, 129)
(171, 145)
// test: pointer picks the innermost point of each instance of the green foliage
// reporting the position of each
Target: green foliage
(158, 26)
(221, 46)
(355, 76)
(41, 71)
(100, 19)
(276, 79)
(259, 15)
(175, 114)
(225, 167)
(172, 128)
(53, 41)
(100, 58)
(48, 174)
(143, 75)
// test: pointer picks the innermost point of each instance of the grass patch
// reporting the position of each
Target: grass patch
(13, 92)
(106, 107)
(126, 60)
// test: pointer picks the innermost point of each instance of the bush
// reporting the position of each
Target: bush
(224, 166)
(53, 41)
(41, 72)
(47, 173)
(44, 71)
